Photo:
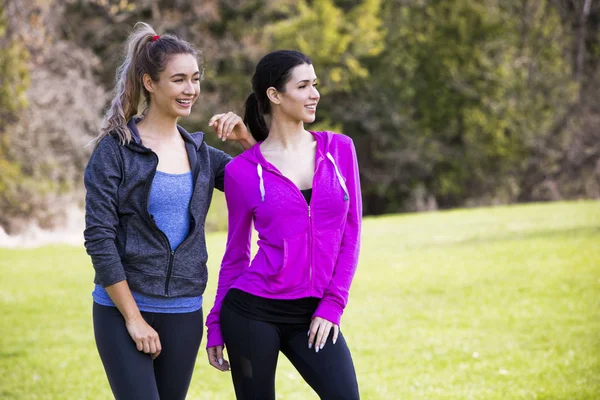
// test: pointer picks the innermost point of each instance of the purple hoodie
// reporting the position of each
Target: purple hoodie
(303, 250)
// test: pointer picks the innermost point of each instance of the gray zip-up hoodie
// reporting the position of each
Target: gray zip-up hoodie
(121, 236)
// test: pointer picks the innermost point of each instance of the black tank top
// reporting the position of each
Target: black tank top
(307, 193)
(296, 311)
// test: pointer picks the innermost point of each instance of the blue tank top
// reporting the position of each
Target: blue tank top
(169, 200)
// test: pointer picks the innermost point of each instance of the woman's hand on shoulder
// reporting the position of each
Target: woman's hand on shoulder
(319, 332)
(229, 126)
(215, 358)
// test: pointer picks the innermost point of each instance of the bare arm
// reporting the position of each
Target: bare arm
(144, 336)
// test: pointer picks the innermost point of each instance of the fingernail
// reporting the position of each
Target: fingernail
(220, 361)
(322, 345)
(316, 349)
(308, 333)
(310, 345)
(334, 340)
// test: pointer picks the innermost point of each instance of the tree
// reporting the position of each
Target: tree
(42, 151)
(454, 102)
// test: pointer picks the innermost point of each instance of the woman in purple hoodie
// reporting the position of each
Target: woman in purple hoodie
(301, 190)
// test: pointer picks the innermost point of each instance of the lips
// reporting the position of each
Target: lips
(185, 102)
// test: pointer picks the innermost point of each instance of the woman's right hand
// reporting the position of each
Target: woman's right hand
(145, 337)
(215, 358)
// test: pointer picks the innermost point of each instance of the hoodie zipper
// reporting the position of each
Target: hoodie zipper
(153, 222)
(161, 233)
(310, 253)
(310, 229)
(169, 271)
(172, 254)
(310, 234)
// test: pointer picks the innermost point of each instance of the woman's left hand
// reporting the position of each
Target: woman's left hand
(319, 332)
(229, 126)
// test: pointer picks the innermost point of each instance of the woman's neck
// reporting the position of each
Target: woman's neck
(286, 134)
(156, 126)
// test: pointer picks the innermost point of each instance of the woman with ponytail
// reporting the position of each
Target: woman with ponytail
(149, 184)
(301, 191)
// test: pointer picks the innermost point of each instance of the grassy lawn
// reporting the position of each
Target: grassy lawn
(494, 303)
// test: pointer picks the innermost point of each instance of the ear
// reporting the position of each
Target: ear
(274, 95)
(148, 83)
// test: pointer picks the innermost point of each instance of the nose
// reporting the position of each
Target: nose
(315, 94)
(190, 87)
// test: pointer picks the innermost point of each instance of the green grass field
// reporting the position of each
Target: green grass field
(494, 303)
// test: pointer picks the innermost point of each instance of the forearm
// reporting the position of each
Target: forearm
(248, 142)
(121, 295)
(336, 294)
(237, 252)
(227, 276)
(335, 298)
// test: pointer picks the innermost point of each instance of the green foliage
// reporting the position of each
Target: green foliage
(23, 195)
(14, 73)
(545, 97)
(453, 102)
(14, 77)
(335, 40)
(449, 103)
(14, 81)
(461, 80)
(10, 171)
(488, 304)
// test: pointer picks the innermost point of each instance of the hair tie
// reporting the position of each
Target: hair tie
(155, 38)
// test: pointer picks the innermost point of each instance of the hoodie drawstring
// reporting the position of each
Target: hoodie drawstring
(339, 176)
(262, 182)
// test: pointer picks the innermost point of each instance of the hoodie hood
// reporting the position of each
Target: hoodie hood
(255, 156)
(193, 142)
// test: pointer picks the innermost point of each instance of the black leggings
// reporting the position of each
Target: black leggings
(133, 374)
(253, 347)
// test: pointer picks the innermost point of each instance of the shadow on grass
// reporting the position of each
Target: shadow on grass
(13, 354)
(511, 237)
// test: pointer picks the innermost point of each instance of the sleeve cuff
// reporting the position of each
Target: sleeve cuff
(110, 275)
(214, 338)
(329, 311)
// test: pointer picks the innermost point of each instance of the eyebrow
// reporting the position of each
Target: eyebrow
(184, 75)
(305, 80)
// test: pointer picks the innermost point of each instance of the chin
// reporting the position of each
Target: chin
(183, 113)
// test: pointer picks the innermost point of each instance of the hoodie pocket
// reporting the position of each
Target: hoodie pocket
(326, 251)
(294, 270)
(131, 241)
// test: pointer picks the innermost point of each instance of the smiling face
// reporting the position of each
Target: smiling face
(178, 86)
(300, 97)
